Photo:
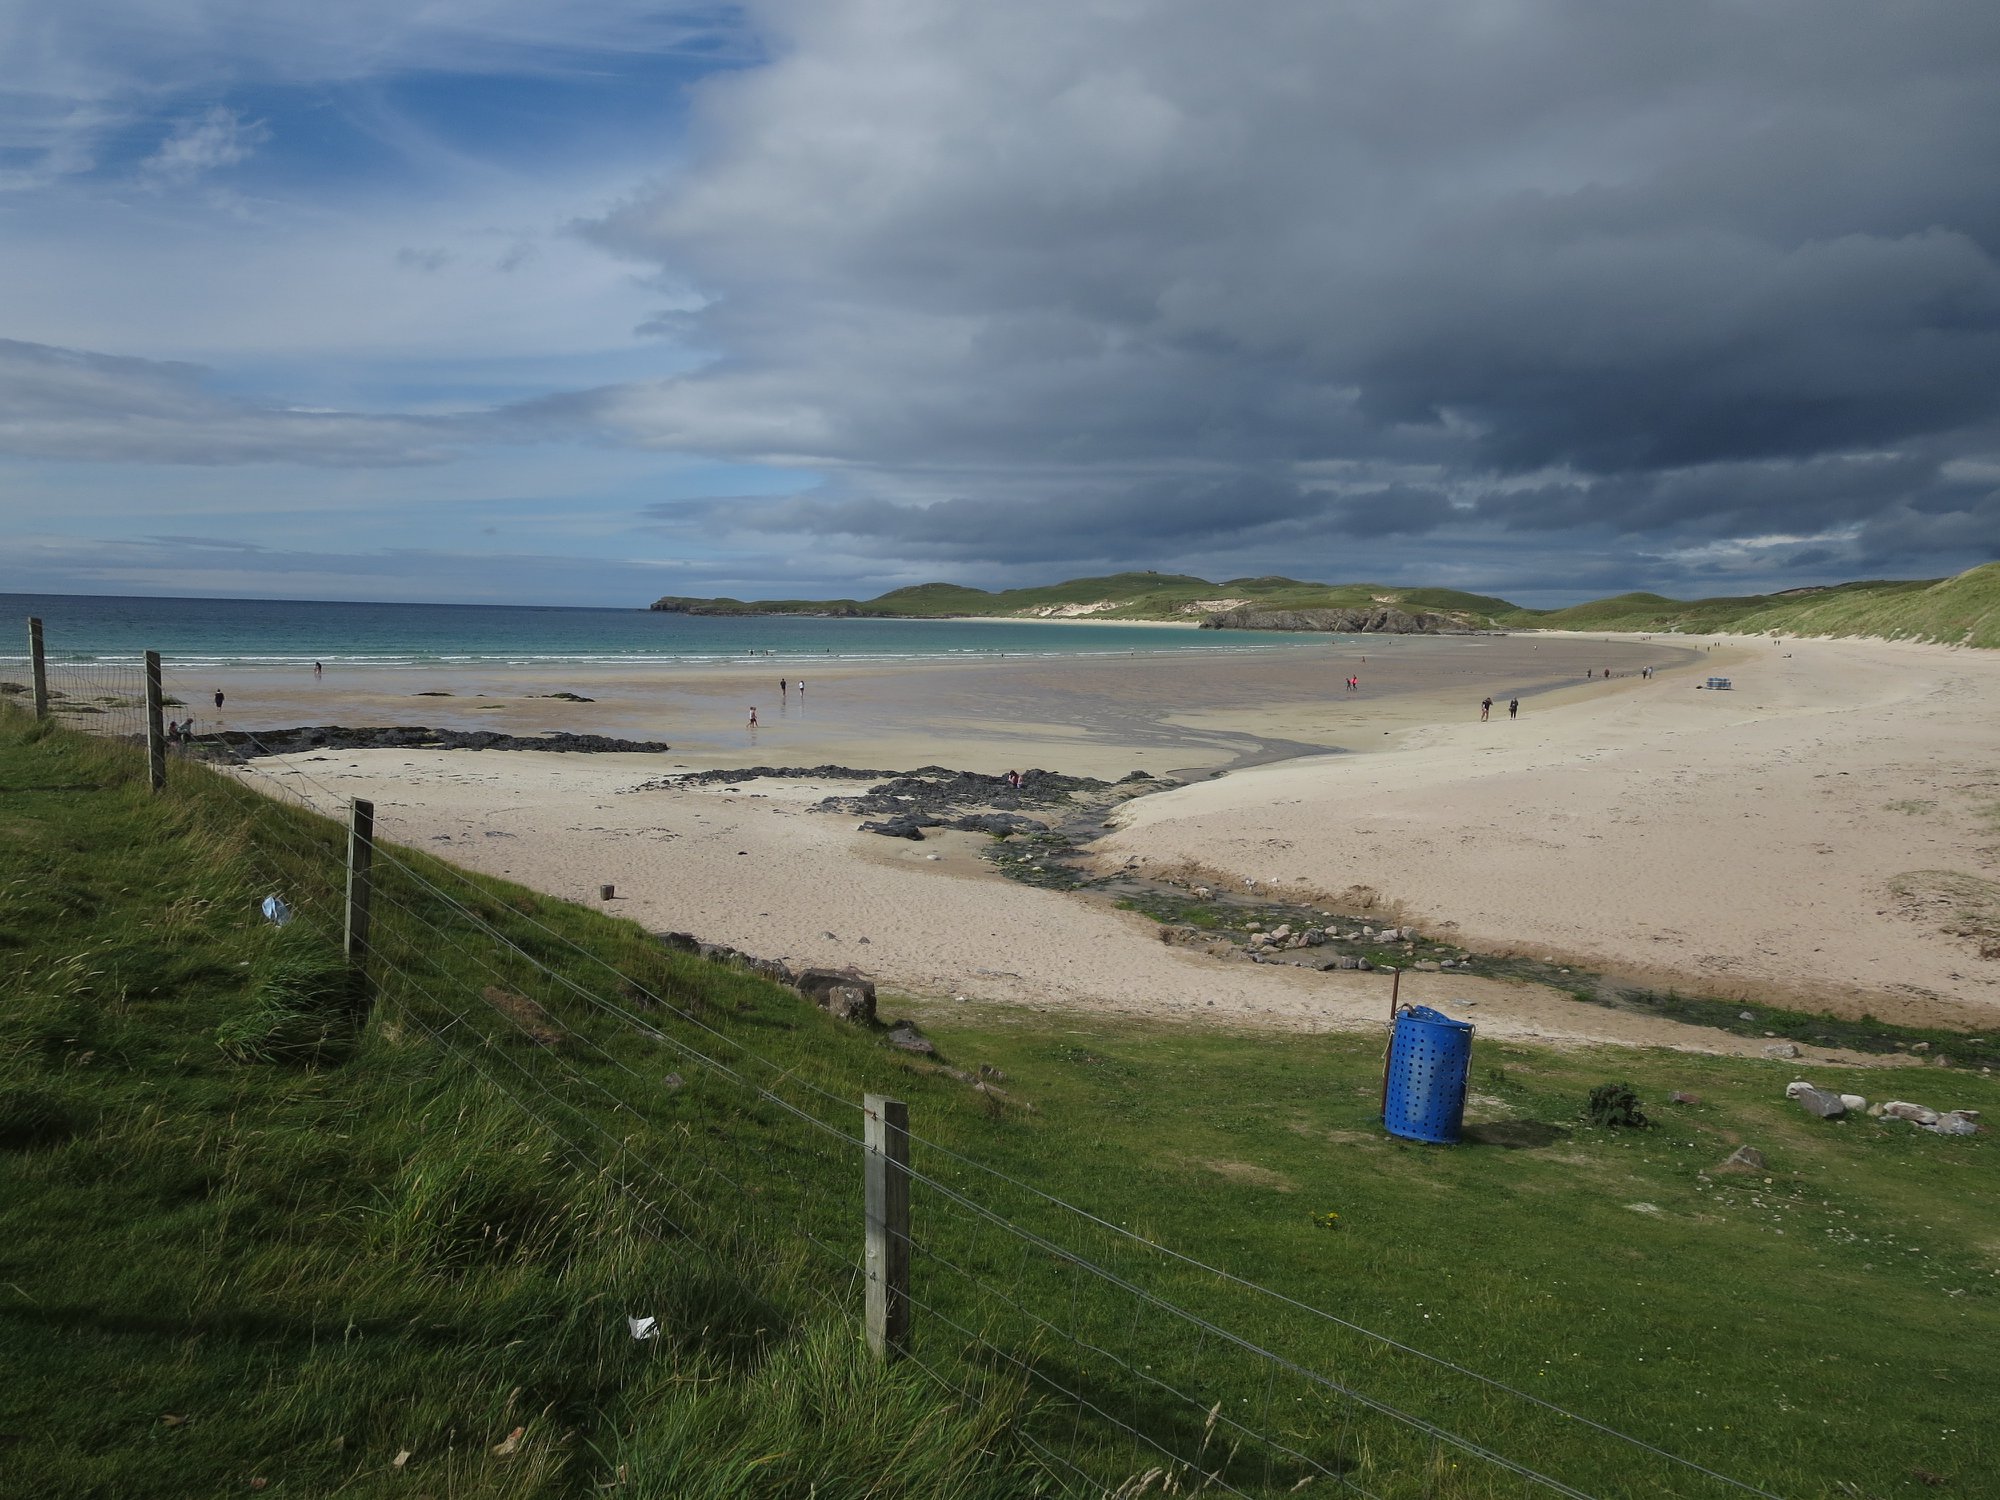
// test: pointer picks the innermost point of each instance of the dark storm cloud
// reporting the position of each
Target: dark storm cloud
(1144, 521)
(1592, 277)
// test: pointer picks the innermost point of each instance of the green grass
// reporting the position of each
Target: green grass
(225, 1258)
(248, 1234)
(1132, 596)
(1964, 610)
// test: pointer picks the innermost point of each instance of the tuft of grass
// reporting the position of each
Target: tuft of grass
(304, 1003)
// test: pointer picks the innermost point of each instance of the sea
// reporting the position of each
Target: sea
(277, 633)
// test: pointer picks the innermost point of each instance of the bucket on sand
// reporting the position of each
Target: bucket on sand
(606, 892)
(1430, 1056)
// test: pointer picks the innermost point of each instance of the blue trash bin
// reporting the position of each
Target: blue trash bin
(1430, 1056)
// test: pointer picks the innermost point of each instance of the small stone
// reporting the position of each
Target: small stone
(1855, 1103)
(1902, 1109)
(1745, 1159)
(1920, 1046)
(1940, 1061)
(1954, 1123)
(674, 1081)
(988, 1071)
(1281, 931)
(1744, 1015)
(1425, 966)
(1782, 1049)
(1681, 1096)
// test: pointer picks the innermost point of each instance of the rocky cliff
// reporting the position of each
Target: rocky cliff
(1378, 620)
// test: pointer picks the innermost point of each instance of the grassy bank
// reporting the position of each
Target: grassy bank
(255, 1232)
(1963, 610)
(247, 1244)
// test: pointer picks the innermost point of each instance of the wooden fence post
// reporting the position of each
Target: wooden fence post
(41, 666)
(156, 733)
(886, 1166)
(360, 878)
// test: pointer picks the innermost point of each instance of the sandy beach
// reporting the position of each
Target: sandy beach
(1765, 841)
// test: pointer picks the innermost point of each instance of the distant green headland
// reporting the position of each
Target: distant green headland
(1963, 610)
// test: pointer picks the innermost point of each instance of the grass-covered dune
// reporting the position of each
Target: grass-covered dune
(258, 1236)
(1117, 596)
(1963, 610)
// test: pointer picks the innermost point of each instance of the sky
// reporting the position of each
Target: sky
(503, 301)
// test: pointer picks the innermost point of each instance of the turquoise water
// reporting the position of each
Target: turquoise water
(274, 633)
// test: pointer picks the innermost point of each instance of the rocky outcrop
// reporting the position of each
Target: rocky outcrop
(1380, 620)
(939, 797)
(831, 609)
(243, 744)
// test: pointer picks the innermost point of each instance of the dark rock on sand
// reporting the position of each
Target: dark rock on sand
(943, 792)
(243, 744)
(902, 828)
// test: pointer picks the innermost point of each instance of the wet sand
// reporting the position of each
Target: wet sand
(1184, 711)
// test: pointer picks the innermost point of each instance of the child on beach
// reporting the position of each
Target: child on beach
(1485, 709)
(753, 720)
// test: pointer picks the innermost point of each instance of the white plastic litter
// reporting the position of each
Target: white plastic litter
(276, 912)
(644, 1328)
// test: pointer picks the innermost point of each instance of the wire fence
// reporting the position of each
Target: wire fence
(1146, 1368)
(101, 695)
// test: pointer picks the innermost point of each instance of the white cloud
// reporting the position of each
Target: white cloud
(216, 139)
(65, 403)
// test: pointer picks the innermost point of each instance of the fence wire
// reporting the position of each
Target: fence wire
(96, 694)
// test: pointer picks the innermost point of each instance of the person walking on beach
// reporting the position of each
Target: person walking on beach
(801, 686)
(1485, 709)
(1513, 708)
(218, 700)
(753, 720)
(318, 671)
(784, 686)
